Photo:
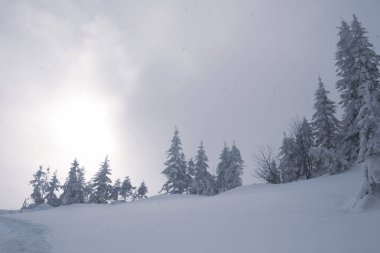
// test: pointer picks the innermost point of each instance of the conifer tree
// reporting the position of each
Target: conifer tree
(102, 184)
(303, 143)
(222, 168)
(73, 187)
(191, 175)
(235, 170)
(39, 184)
(365, 74)
(324, 124)
(289, 170)
(116, 189)
(176, 169)
(204, 182)
(141, 191)
(327, 156)
(349, 94)
(127, 189)
(52, 188)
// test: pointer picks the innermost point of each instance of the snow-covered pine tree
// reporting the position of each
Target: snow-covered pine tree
(349, 94)
(303, 143)
(39, 184)
(222, 168)
(204, 182)
(102, 184)
(72, 189)
(141, 191)
(126, 190)
(87, 192)
(324, 124)
(175, 170)
(235, 170)
(191, 174)
(52, 188)
(326, 129)
(116, 189)
(365, 74)
(289, 170)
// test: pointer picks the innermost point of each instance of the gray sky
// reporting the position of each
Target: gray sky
(89, 78)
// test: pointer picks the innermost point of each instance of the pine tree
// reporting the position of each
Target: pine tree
(126, 190)
(235, 170)
(303, 143)
(116, 189)
(176, 169)
(289, 170)
(222, 168)
(324, 124)
(204, 182)
(365, 74)
(349, 94)
(39, 184)
(141, 191)
(73, 187)
(53, 186)
(191, 175)
(102, 184)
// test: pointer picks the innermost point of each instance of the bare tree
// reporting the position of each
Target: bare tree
(266, 168)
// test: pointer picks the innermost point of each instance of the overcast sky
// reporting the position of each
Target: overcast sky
(87, 79)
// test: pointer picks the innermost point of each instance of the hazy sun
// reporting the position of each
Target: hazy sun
(82, 126)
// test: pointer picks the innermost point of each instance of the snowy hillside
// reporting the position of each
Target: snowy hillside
(305, 216)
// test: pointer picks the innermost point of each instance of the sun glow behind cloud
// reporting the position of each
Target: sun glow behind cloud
(82, 125)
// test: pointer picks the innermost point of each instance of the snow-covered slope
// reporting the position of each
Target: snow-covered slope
(306, 216)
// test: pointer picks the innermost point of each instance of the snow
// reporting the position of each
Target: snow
(304, 216)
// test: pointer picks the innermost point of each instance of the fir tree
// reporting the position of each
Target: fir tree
(126, 190)
(191, 175)
(102, 184)
(39, 184)
(350, 101)
(235, 170)
(324, 124)
(303, 143)
(222, 168)
(365, 74)
(175, 170)
(116, 189)
(289, 170)
(204, 182)
(52, 188)
(141, 191)
(73, 187)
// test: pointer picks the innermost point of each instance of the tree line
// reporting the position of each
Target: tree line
(326, 144)
(75, 190)
(193, 177)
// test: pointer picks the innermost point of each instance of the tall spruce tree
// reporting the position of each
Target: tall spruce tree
(349, 94)
(176, 169)
(73, 187)
(141, 191)
(365, 74)
(39, 184)
(288, 167)
(327, 156)
(204, 182)
(324, 124)
(127, 189)
(116, 189)
(52, 188)
(222, 168)
(303, 142)
(235, 170)
(102, 184)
